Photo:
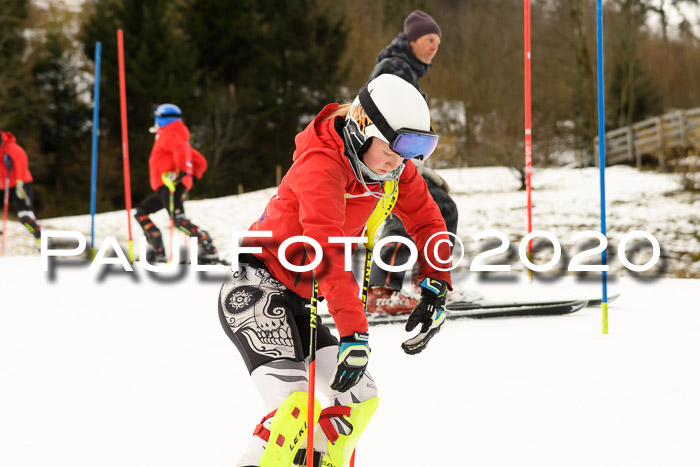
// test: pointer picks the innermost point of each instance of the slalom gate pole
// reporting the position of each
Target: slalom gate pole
(6, 201)
(171, 208)
(528, 133)
(312, 373)
(601, 159)
(186, 237)
(125, 139)
(95, 130)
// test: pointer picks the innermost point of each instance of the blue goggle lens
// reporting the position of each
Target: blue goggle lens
(410, 145)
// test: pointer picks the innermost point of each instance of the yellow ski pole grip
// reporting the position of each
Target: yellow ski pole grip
(168, 179)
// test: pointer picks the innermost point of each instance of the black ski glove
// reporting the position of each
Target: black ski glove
(353, 356)
(430, 312)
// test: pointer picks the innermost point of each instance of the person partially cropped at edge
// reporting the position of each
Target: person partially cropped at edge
(409, 56)
(174, 165)
(343, 162)
(18, 181)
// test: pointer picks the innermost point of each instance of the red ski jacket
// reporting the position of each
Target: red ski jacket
(20, 166)
(172, 153)
(320, 197)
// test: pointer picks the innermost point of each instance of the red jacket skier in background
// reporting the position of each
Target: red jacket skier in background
(174, 165)
(21, 192)
(172, 153)
(347, 163)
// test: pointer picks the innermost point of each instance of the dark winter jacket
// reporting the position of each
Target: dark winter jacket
(398, 59)
(20, 167)
(320, 197)
(172, 153)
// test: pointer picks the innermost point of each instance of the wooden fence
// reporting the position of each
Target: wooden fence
(655, 137)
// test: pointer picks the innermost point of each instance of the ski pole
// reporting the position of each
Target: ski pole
(171, 207)
(380, 213)
(312, 373)
(168, 179)
(6, 200)
(185, 237)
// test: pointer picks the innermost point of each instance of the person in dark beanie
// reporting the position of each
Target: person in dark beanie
(408, 56)
(411, 53)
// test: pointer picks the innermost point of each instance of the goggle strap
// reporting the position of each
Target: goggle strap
(375, 115)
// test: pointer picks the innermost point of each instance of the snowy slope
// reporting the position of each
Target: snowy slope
(103, 367)
(566, 201)
(124, 370)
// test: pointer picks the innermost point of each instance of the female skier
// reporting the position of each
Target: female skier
(346, 162)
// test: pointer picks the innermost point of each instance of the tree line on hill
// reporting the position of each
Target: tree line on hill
(250, 74)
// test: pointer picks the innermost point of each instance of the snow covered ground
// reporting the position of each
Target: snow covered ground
(565, 202)
(125, 369)
(109, 368)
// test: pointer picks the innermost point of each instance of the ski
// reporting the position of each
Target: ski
(598, 301)
(462, 305)
(476, 310)
(472, 310)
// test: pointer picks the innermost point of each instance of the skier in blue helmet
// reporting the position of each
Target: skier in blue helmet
(174, 166)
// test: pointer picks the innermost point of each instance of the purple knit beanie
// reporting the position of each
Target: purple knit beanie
(418, 24)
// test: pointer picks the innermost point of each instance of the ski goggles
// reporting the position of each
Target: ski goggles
(414, 143)
(406, 142)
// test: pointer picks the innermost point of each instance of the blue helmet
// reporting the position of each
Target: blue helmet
(166, 114)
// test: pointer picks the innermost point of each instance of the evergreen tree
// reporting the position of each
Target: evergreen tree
(160, 66)
(264, 65)
(63, 164)
(16, 99)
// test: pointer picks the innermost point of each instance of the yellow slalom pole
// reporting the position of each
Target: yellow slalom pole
(604, 307)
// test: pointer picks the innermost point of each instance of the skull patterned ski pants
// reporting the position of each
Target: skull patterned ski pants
(264, 319)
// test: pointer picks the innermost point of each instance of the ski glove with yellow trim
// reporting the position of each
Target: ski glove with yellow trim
(19, 190)
(353, 357)
(172, 179)
(430, 313)
(168, 179)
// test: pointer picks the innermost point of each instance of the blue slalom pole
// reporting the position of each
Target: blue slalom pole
(601, 151)
(95, 129)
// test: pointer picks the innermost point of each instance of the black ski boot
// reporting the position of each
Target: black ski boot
(301, 461)
(155, 255)
(207, 251)
(32, 225)
(156, 250)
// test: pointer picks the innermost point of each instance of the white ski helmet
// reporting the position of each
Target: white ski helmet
(392, 110)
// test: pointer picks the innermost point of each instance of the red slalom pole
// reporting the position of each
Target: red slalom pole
(528, 131)
(6, 200)
(125, 139)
